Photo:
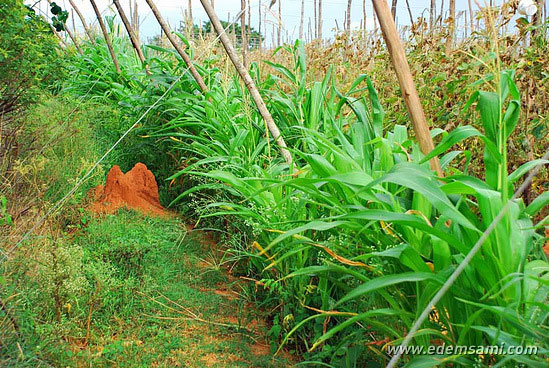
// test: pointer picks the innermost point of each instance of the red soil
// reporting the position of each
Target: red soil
(137, 189)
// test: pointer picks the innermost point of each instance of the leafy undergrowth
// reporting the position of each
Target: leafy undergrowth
(133, 291)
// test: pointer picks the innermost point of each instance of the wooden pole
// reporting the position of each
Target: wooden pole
(73, 21)
(441, 16)
(178, 48)
(348, 17)
(135, 23)
(432, 14)
(451, 27)
(249, 29)
(243, 43)
(402, 69)
(191, 20)
(259, 16)
(106, 35)
(315, 20)
(132, 36)
(319, 35)
(394, 9)
(83, 20)
(364, 16)
(410, 13)
(279, 34)
(302, 16)
(471, 16)
(248, 81)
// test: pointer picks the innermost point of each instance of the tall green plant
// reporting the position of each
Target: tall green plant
(355, 244)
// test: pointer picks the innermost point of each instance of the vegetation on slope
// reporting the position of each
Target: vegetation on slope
(347, 247)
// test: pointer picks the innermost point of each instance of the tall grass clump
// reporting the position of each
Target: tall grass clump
(364, 233)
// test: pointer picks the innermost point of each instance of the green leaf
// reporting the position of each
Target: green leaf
(414, 177)
(524, 168)
(385, 281)
(455, 136)
(537, 204)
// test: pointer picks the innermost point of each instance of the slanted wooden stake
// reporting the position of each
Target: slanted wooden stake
(177, 46)
(63, 44)
(248, 81)
(133, 38)
(73, 39)
(402, 69)
(106, 35)
(83, 20)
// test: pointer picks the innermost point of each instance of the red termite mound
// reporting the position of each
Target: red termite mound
(137, 189)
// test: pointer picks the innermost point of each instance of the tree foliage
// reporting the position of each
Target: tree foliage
(29, 63)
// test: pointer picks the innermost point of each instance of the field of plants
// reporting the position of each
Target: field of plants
(297, 181)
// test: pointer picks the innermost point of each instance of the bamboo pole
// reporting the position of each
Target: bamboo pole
(471, 16)
(178, 48)
(243, 41)
(319, 35)
(135, 22)
(259, 21)
(410, 13)
(132, 36)
(451, 27)
(106, 35)
(248, 81)
(302, 16)
(441, 16)
(279, 34)
(364, 16)
(402, 69)
(432, 14)
(249, 29)
(348, 17)
(394, 9)
(83, 20)
(315, 20)
(73, 21)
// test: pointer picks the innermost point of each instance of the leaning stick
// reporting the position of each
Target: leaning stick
(73, 40)
(409, 92)
(248, 81)
(63, 44)
(106, 35)
(71, 36)
(83, 20)
(178, 48)
(133, 38)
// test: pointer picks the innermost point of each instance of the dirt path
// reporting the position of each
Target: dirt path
(180, 309)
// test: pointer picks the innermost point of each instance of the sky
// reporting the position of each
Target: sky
(332, 10)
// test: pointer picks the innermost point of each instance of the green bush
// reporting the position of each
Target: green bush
(30, 58)
(30, 63)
